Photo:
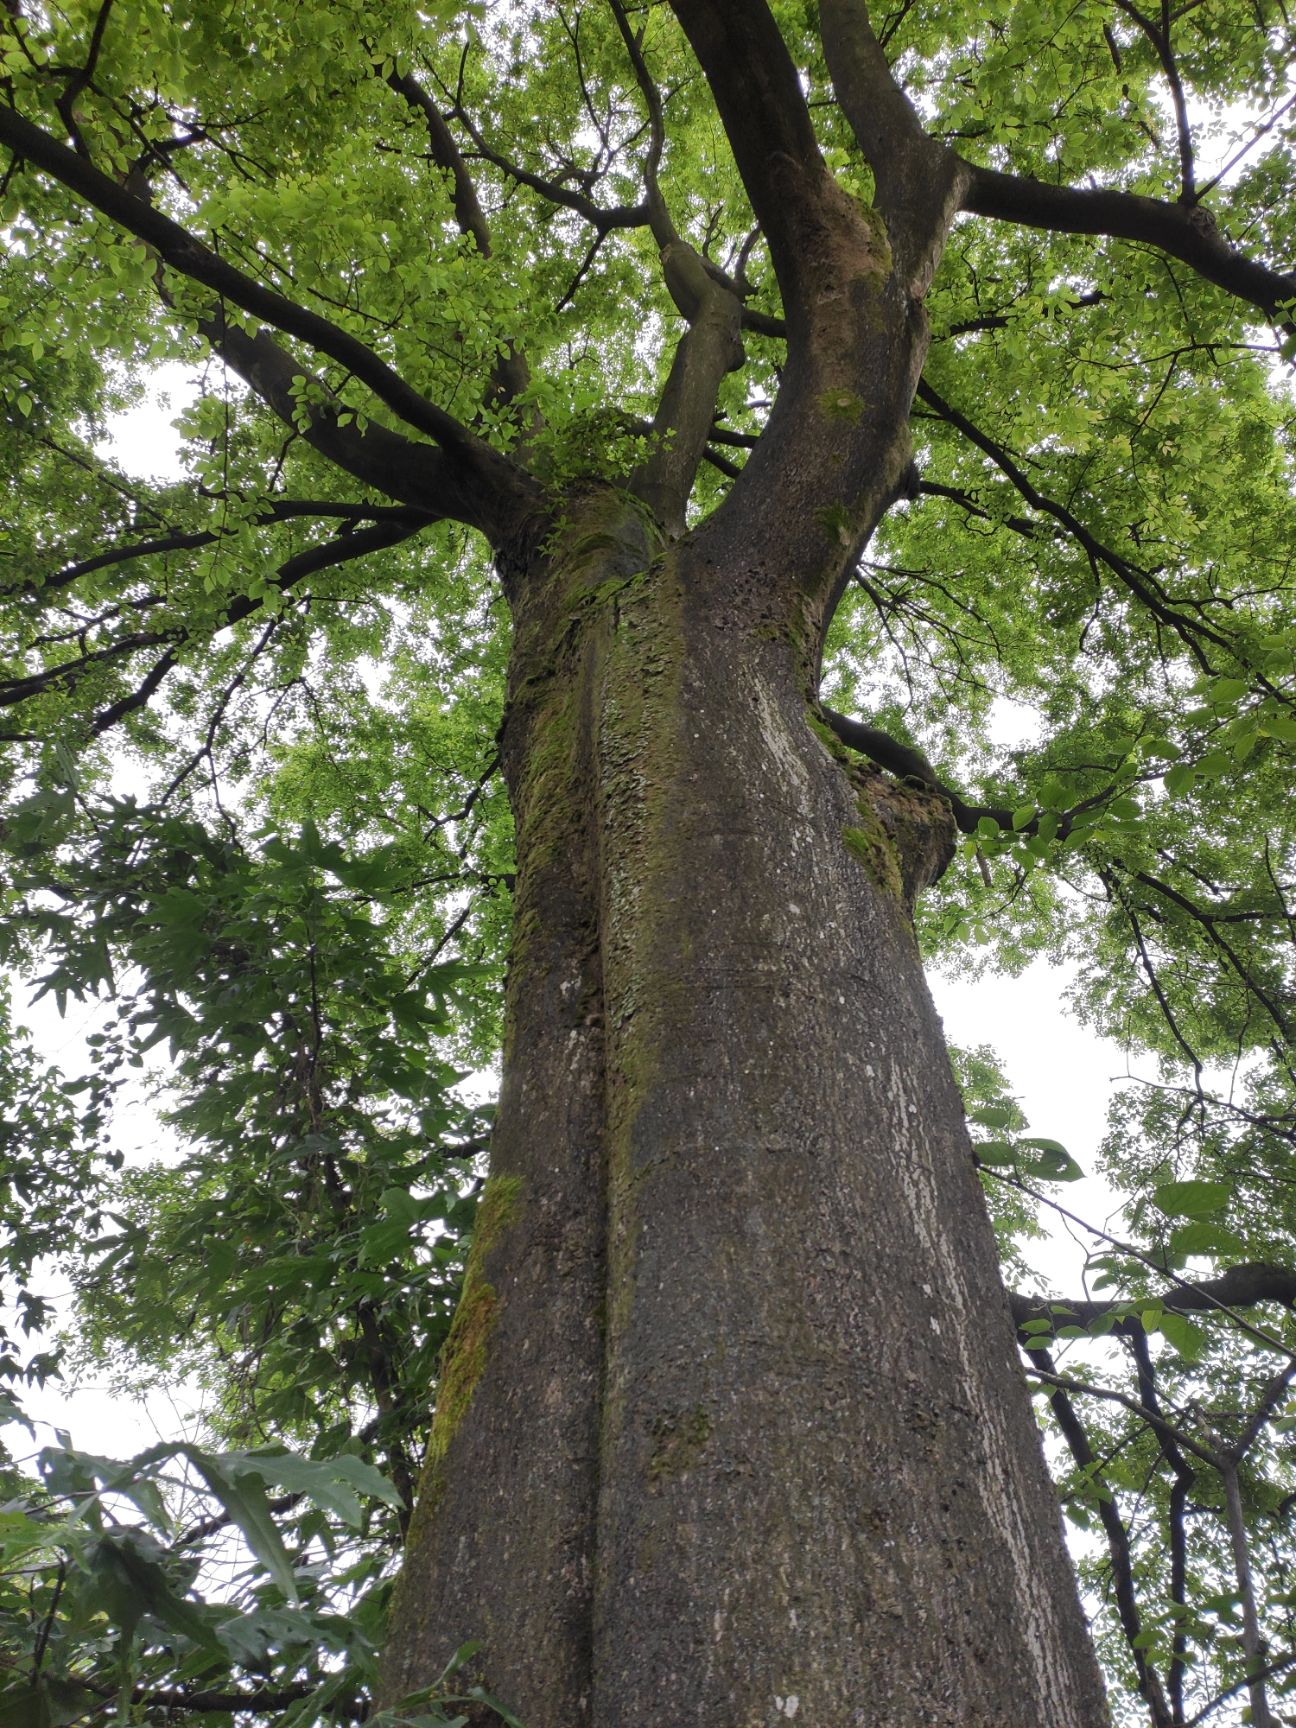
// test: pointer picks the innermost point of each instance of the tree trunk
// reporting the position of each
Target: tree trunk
(730, 1431)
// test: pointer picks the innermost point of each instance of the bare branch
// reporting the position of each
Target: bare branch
(619, 216)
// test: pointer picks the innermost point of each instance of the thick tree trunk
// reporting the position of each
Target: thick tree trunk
(731, 1431)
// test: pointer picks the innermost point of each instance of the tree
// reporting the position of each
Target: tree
(570, 371)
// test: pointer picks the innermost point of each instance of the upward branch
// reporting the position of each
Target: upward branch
(919, 182)
(709, 348)
(764, 114)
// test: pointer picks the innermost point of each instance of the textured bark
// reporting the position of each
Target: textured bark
(746, 1441)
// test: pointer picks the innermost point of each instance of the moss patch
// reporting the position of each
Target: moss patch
(830, 741)
(843, 405)
(874, 848)
(836, 522)
(879, 240)
(463, 1355)
(678, 1442)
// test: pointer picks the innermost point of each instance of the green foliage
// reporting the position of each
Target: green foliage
(97, 1612)
(253, 808)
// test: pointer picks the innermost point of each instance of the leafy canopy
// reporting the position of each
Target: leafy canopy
(404, 254)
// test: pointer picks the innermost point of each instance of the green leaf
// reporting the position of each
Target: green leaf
(1200, 1237)
(995, 1152)
(1188, 1340)
(1191, 1199)
(243, 1497)
(1213, 763)
(1051, 1161)
(337, 1483)
(993, 1115)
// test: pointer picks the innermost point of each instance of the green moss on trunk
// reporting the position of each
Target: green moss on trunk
(875, 849)
(463, 1356)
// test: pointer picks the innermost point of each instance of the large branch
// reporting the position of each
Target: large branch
(187, 255)
(919, 182)
(764, 114)
(1185, 231)
(910, 765)
(1240, 1287)
(417, 474)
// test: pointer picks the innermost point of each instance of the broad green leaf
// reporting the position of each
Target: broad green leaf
(1191, 1199)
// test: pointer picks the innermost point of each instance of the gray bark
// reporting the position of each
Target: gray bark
(745, 1441)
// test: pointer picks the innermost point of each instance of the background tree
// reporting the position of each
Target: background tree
(584, 394)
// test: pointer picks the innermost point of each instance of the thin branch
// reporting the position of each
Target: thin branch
(1139, 582)
(282, 510)
(1110, 1395)
(342, 549)
(1261, 1336)
(1159, 36)
(1269, 1670)
(603, 220)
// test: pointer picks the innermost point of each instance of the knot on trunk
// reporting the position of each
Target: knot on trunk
(918, 823)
